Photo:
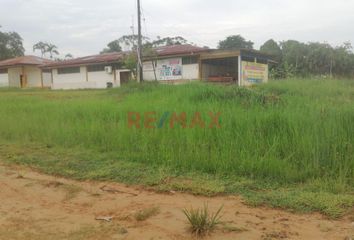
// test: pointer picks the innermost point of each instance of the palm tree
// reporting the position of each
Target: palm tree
(69, 56)
(52, 49)
(41, 46)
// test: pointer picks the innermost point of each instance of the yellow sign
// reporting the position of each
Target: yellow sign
(253, 73)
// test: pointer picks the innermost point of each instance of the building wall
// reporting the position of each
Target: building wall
(100, 79)
(33, 76)
(71, 81)
(4, 80)
(189, 72)
(47, 79)
(148, 71)
(85, 80)
(14, 76)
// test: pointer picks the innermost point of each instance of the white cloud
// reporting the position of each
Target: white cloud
(84, 27)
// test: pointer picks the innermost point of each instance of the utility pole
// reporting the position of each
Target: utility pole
(140, 63)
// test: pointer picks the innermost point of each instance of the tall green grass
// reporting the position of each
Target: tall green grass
(287, 132)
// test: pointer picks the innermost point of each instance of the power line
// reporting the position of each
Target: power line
(140, 65)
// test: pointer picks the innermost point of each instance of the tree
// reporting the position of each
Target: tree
(169, 41)
(113, 46)
(271, 47)
(10, 45)
(343, 60)
(235, 42)
(130, 62)
(69, 56)
(52, 49)
(45, 47)
(131, 41)
(41, 46)
(295, 54)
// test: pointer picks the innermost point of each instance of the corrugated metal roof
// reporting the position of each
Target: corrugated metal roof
(25, 60)
(179, 50)
(94, 59)
(116, 56)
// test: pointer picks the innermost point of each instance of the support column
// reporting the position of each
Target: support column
(41, 78)
(86, 73)
(239, 71)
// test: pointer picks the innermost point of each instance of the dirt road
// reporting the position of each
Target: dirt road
(36, 206)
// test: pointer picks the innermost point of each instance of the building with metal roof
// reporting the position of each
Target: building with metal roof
(96, 71)
(23, 72)
(167, 64)
(181, 63)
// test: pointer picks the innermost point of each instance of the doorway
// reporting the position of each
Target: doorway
(124, 77)
(23, 80)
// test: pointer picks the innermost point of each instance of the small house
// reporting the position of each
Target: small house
(23, 72)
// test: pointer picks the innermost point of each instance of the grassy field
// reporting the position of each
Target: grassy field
(287, 144)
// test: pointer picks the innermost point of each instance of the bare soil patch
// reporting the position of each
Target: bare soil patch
(37, 206)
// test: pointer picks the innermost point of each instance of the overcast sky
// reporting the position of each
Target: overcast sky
(84, 27)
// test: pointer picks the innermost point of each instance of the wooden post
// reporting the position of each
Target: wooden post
(153, 67)
(115, 75)
(239, 70)
(51, 75)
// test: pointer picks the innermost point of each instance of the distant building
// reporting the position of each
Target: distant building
(97, 71)
(168, 64)
(23, 72)
(181, 63)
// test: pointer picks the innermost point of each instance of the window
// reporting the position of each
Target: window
(69, 70)
(96, 68)
(3, 71)
(189, 60)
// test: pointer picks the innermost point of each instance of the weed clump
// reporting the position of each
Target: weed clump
(202, 221)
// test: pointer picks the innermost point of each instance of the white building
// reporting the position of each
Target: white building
(98, 71)
(23, 72)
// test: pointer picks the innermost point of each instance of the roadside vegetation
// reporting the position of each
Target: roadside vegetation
(287, 144)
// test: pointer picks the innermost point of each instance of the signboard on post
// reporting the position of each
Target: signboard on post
(253, 73)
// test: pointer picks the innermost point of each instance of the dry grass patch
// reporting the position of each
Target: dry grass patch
(144, 214)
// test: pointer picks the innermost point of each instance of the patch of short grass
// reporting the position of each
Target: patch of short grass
(330, 204)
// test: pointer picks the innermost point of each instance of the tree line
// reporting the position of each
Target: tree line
(296, 58)
(291, 57)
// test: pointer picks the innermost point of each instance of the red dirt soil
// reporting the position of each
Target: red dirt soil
(37, 206)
